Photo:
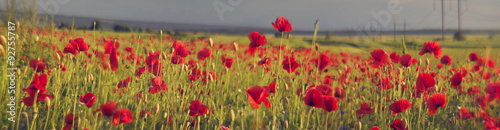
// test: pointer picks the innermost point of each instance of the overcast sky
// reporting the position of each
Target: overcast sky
(333, 14)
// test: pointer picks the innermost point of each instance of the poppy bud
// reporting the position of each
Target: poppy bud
(182, 66)
(47, 101)
(211, 77)
(24, 114)
(213, 66)
(316, 47)
(286, 124)
(91, 77)
(4, 40)
(172, 50)
(24, 70)
(358, 126)
(58, 57)
(146, 98)
(419, 62)
(232, 115)
(286, 86)
(145, 50)
(427, 62)
(164, 55)
(17, 25)
(18, 71)
(286, 99)
(156, 108)
(210, 42)
(186, 68)
(235, 46)
(2, 51)
(197, 66)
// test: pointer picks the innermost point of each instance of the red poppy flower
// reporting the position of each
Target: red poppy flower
(493, 90)
(282, 25)
(439, 66)
(153, 58)
(394, 57)
(70, 118)
(324, 89)
(228, 62)
(256, 39)
(144, 113)
(37, 65)
(446, 60)
(398, 125)
(38, 85)
(129, 50)
(314, 98)
(473, 56)
(110, 45)
(223, 128)
(490, 64)
(424, 82)
(80, 44)
(122, 116)
(364, 109)
(380, 58)
(257, 95)
(463, 114)
(197, 109)
(456, 80)
(180, 49)
(406, 60)
(339, 93)
(400, 106)
(124, 83)
(176, 59)
(158, 85)
(265, 61)
(108, 108)
(153, 64)
(289, 64)
(113, 60)
(472, 91)
(481, 100)
(432, 47)
(70, 49)
(330, 103)
(323, 61)
(203, 53)
(435, 101)
(139, 71)
(88, 99)
(68, 127)
(272, 87)
(195, 75)
(375, 128)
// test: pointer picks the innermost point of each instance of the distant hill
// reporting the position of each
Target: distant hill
(108, 24)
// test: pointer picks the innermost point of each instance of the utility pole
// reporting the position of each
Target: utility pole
(394, 31)
(404, 30)
(442, 20)
(459, 28)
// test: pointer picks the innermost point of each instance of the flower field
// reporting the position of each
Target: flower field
(91, 79)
